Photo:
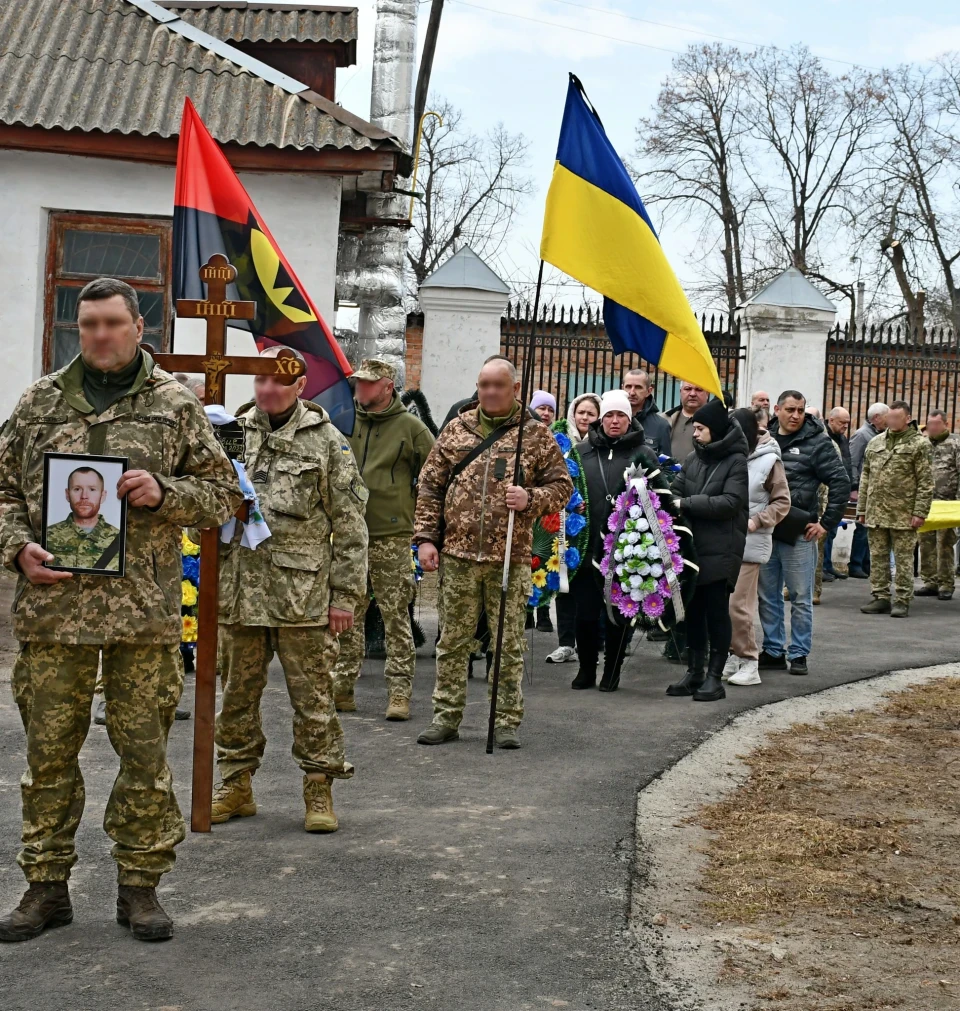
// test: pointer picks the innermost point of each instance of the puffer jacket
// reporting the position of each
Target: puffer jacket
(604, 460)
(468, 517)
(769, 498)
(810, 460)
(712, 488)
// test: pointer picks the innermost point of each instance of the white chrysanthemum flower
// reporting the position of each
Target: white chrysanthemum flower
(636, 594)
(642, 525)
(635, 512)
(656, 570)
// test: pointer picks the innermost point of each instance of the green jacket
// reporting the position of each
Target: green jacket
(897, 480)
(159, 426)
(313, 500)
(391, 447)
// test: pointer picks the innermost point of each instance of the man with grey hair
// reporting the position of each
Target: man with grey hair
(875, 424)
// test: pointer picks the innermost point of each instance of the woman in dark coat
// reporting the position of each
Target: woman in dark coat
(714, 499)
(613, 443)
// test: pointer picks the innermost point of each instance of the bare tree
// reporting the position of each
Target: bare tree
(809, 167)
(472, 186)
(690, 153)
(916, 182)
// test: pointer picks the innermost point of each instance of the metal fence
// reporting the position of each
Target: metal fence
(572, 355)
(884, 364)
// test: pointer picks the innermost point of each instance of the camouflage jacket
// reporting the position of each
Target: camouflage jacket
(313, 500)
(158, 426)
(946, 467)
(897, 480)
(76, 548)
(468, 517)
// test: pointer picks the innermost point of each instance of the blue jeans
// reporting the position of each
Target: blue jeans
(860, 550)
(794, 565)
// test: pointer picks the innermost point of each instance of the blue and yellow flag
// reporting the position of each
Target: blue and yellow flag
(596, 229)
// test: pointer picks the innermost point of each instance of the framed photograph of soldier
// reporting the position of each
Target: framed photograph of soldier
(84, 521)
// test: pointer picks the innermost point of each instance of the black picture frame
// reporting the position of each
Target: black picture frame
(112, 559)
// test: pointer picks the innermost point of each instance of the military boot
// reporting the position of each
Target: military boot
(398, 708)
(927, 590)
(506, 738)
(233, 798)
(318, 798)
(694, 677)
(139, 909)
(900, 610)
(437, 734)
(344, 700)
(876, 606)
(44, 904)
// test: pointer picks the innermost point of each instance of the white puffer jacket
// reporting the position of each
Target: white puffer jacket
(759, 464)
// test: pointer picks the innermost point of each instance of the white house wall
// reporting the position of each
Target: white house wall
(302, 212)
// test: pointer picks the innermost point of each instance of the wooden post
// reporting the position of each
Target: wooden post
(217, 310)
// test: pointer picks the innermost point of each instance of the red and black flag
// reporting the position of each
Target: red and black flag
(214, 214)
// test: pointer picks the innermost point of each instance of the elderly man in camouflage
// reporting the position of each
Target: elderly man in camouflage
(111, 400)
(391, 446)
(937, 564)
(896, 489)
(466, 495)
(292, 595)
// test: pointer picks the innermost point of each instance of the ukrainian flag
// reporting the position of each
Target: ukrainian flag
(596, 229)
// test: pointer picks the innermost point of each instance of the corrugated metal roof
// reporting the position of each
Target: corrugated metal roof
(236, 21)
(791, 290)
(106, 65)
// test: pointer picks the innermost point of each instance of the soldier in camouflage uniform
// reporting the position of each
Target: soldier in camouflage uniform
(84, 538)
(896, 489)
(937, 562)
(292, 595)
(391, 446)
(111, 400)
(465, 514)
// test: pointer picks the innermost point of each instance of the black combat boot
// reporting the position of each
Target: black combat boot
(138, 909)
(712, 689)
(588, 653)
(44, 904)
(694, 678)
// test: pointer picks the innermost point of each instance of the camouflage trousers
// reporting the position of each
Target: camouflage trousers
(466, 589)
(883, 540)
(938, 567)
(53, 687)
(391, 575)
(307, 655)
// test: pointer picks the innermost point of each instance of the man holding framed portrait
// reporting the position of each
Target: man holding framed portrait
(101, 465)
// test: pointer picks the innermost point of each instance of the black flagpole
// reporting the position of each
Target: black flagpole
(527, 377)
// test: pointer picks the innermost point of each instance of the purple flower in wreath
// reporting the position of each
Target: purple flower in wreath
(653, 605)
(672, 541)
(191, 569)
(605, 566)
(575, 523)
(663, 587)
(609, 541)
(677, 562)
(654, 500)
(572, 558)
(613, 522)
(664, 519)
(553, 581)
(629, 608)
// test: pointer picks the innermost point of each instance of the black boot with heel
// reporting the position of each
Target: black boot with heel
(712, 689)
(694, 678)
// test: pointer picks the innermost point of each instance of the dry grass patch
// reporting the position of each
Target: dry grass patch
(845, 843)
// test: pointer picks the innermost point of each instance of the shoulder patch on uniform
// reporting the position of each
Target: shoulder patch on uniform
(155, 419)
(345, 449)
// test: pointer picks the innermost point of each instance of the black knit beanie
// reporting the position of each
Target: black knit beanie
(713, 415)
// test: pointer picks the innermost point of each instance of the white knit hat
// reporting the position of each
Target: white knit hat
(615, 400)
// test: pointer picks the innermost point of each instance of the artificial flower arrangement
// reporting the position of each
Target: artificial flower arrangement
(647, 565)
(560, 539)
(189, 589)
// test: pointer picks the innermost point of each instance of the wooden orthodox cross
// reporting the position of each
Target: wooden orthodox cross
(217, 310)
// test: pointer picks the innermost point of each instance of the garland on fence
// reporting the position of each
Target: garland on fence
(560, 539)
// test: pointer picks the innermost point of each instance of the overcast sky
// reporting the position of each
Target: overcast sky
(512, 66)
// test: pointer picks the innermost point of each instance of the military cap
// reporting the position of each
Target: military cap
(374, 369)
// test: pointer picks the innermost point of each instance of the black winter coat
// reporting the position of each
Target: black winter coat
(604, 460)
(656, 429)
(810, 460)
(714, 500)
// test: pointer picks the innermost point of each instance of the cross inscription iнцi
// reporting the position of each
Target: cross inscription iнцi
(217, 310)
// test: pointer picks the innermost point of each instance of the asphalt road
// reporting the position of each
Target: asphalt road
(457, 879)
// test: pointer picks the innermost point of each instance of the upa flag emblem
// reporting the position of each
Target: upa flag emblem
(214, 214)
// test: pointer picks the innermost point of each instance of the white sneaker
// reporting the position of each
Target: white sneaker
(731, 667)
(747, 675)
(562, 654)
